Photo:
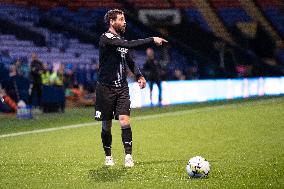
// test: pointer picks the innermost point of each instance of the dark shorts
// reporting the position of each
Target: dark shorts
(111, 102)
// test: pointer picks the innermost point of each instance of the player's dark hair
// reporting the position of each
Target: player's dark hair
(112, 15)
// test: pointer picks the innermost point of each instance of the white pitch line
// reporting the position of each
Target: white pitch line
(159, 115)
(49, 129)
(97, 123)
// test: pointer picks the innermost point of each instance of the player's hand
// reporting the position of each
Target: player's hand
(142, 82)
(159, 41)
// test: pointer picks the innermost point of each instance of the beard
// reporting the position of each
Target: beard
(120, 29)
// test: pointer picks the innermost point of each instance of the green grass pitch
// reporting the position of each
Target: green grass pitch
(243, 140)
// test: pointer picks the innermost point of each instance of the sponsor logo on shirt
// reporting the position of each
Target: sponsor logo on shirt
(122, 51)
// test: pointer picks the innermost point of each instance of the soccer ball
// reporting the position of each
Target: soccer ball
(197, 167)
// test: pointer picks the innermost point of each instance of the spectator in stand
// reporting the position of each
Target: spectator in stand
(95, 69)
(45, 75)
(22, 67)
(57, 80)
(10, 85)
(36, 68)
(178, 75)
(192, 71)
(69, 78)
(89, 85)
(226, 60)
(152, 71)
(16, 87)
(94, 75)
(230, 63)
(18, 64)
(57, 76)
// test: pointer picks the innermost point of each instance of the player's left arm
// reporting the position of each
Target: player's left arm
(136, 71)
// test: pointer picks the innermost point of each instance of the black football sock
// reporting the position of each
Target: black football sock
(107, 140)
(126, 136)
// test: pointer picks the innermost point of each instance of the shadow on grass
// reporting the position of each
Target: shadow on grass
(107, 174)
(116, 173)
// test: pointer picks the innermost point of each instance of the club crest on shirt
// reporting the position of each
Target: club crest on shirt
(123, 51)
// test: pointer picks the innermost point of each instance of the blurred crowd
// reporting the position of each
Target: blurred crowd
(25, 81)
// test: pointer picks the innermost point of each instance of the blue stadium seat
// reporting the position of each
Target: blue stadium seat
(276, 18)
(194, 15)
(233, 15)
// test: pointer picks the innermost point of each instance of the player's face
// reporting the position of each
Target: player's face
(119, 24)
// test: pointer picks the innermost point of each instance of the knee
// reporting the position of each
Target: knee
(124, 120)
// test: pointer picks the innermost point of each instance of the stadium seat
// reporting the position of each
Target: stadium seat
(193, 15)
(231, 12)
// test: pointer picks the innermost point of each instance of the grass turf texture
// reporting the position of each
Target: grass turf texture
(243, 141)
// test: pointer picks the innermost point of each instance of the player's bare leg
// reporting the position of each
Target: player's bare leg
(126, 136)
(107, 140)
